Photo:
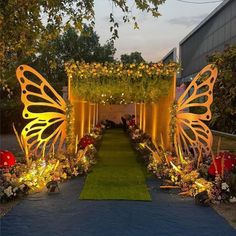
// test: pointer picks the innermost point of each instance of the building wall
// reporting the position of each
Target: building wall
(214, 35)
(170, 56)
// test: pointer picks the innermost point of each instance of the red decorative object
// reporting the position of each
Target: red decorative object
(227, 159)
(85, 141)
(7, 159)
(132, 122)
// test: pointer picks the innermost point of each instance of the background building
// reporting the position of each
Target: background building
(214, 33)
(170, 56)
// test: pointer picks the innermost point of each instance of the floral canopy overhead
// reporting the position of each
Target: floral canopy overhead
(120, 83)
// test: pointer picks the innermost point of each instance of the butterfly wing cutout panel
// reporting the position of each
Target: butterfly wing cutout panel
(44, 108)
(193, 109)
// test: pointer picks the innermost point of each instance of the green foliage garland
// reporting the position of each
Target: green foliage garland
(173, 111)
(70, 136)
(120, 83)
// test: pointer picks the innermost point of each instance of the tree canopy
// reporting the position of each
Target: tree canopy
(26, 27)
(134, 57)
(37, 32)
(72, 45)
(223, 107)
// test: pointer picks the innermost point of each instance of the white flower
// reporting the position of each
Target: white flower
(21, 187)
(224, 186)
(8, 191)
(15, 189)
(233, 200)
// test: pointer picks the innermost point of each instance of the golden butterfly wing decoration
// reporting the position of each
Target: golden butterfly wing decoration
(191, 131)
(45, 108)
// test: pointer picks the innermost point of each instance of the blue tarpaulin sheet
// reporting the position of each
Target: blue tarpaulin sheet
(64, 214)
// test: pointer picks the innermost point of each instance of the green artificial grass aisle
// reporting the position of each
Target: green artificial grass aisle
(117, 175)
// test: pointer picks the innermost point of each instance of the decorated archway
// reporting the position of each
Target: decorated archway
(149, 87)
(178, 132)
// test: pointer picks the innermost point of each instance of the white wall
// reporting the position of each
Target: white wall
(114, 112)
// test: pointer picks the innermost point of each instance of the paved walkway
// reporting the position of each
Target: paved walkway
(65, 215)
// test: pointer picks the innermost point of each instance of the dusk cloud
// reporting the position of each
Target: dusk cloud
(187, 21)
(156, 36)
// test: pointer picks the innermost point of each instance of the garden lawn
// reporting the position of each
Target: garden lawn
(117, 175)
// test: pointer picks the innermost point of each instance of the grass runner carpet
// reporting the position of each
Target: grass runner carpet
(117, 175)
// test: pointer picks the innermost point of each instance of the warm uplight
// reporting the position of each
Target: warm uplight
(141, 116)
(94, 115)
(142, 145)
(89, 116)
(39, 174)
(199, 184)
(175, 167)
(154, 122)
(82, 119)
(144, 117)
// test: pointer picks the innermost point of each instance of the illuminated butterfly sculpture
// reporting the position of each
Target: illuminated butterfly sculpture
(45, 109)
(191, 133)
(47, 125)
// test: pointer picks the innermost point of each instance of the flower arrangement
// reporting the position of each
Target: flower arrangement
(10, 187)
(209, 183)
(85, 141)
(105, 83)
(18, 179)
(223, 162)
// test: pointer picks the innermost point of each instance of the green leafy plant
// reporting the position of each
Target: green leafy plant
(24, 34)
(223, 107)
(120, 83)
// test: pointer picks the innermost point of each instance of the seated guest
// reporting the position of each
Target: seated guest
(132, 121)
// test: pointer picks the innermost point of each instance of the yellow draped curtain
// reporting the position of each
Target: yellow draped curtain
(153, 118)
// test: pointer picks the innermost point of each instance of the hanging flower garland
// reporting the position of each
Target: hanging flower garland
(119, 83)
(70, 137)
(173, 111)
